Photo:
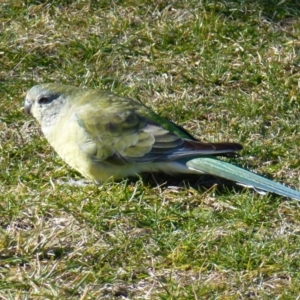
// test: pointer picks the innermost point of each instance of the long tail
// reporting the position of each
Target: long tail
(226, 170)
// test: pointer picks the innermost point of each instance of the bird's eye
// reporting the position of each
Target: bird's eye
(44, 100)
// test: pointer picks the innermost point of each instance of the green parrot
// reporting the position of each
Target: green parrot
(105, 136)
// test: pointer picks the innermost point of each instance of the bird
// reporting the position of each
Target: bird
(109, 137)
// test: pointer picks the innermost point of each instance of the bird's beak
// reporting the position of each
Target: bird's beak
(27, 107)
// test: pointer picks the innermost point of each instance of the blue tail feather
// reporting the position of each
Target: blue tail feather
(226, 170)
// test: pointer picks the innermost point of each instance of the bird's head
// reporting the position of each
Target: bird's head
(45, 101)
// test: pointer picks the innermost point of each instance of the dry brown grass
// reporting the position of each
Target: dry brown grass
(223, 70)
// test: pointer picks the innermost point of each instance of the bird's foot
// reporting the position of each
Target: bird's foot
(73, 182)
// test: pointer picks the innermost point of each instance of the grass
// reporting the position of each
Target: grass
(225, 70)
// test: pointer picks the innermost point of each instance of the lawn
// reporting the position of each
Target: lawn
(225, 71)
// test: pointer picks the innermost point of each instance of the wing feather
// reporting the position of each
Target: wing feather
(127, 131)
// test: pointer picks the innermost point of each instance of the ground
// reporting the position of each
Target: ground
(225, 71)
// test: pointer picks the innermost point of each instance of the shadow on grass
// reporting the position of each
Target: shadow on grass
(201, 183)
(273, 10)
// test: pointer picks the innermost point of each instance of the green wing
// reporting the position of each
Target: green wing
(123, 130)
